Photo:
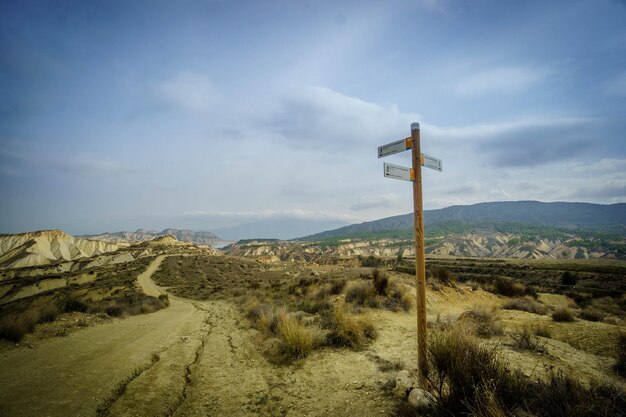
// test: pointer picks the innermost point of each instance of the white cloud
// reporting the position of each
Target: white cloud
(617, 86)
(320, 115)
(505, 80)
(188, 91)
(383, 201)
(268, 214)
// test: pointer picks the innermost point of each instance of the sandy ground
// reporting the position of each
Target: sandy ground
(191, 359)
(198, 359)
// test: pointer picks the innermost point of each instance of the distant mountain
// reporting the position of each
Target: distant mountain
(140, 235)
(283, 228)
(579, 217)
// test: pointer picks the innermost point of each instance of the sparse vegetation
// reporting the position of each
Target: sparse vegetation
(525, 304)
(543, 330)
(470, 379)
(482, 322)
(620, 365)
(563, 314)
(442, 275)
(347, 328)
(524, 340)
(568, 278)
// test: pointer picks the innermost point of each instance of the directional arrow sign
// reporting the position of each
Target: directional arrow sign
(431, 162)
(398, 172)
(394, 147)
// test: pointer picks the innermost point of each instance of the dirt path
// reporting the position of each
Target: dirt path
(193, 358)
(145, 278)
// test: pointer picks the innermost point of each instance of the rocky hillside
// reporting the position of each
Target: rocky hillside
(485, 245)
(141, 235)
(47, 246)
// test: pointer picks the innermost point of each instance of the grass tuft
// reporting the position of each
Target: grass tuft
(347, 328)
(525, 304)
(482, 322)
(563, 314)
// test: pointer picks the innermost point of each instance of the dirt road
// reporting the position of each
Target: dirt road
(191, 359)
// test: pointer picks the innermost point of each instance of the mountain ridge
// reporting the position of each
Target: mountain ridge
(572, 216)
(141, 235)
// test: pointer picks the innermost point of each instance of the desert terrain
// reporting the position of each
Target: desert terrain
(166, 328)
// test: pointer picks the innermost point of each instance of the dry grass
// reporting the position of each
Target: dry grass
(298, 340)
(526, 304)
(524, 340)
(379, 292)
(469, 379)
(482, 321)
(347, 328)
(15, 326)
(620, 365)
(563, 314)
(543, 330)
(509, 288)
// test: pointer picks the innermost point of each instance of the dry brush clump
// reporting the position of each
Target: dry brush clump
(563, 314)
(470, 379)
(509, 288)
(379, 292)
(13, 327)
(527, 304)
(348, 329)
(620, 365)
(482, 321)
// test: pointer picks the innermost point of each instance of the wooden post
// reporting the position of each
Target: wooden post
(420, 257)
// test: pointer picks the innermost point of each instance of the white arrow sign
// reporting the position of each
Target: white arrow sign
(397, 172)
(431, 162)
(394, 147)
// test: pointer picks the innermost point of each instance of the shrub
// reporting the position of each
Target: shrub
(505, 286)
(165, 299)
(482, 322)
(348, 329)
(74, 304)
(380, 280)
(371, 261)
(568, 278)
(470, 379)
(525, 304)
(362, 294)
(12, 329)
(563, 314)
(466, 376)
(47, 311)
(337, 286)
(591, 314)
(267, 321)
(297, 339)
(620, 365)
(543, 330)
(442, 275)
(525, 341)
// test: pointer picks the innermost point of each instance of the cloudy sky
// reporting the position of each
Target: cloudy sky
(206, 114)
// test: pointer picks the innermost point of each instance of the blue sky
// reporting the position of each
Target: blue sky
(208, 114)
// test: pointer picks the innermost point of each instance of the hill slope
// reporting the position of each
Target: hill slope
(141, 235)
(47, 246)
(579, 217)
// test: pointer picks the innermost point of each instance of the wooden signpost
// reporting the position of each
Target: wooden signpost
(415, 175)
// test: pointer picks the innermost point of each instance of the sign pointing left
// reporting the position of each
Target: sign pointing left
(394, 147)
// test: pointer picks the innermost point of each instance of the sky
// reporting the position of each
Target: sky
(118, 115)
